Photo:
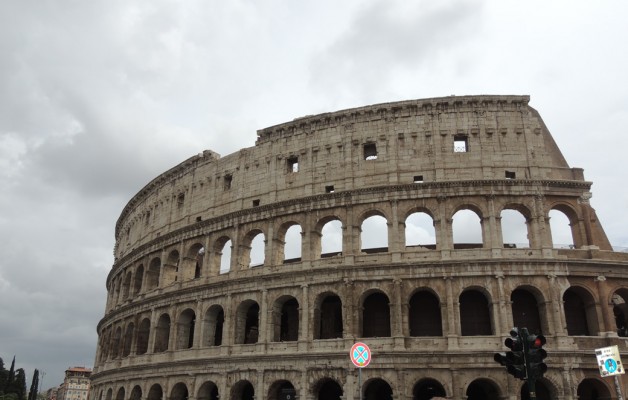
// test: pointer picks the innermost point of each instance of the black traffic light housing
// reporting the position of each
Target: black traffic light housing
(535, 356)
(514, 360)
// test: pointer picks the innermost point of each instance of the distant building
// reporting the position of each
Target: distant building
(51, 394)
(75, 386)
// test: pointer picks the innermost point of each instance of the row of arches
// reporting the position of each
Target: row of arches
(328, 239)
(426, 314)
(328, 388)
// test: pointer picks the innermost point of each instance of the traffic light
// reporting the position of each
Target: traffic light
(513, 360)
(535, 356)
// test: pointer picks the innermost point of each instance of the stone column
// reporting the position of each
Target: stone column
(348, 306)
(608, 327)
(504, 308)
(151, 332)
(304, 320)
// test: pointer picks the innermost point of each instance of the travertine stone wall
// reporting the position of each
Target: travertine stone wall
(181, 322)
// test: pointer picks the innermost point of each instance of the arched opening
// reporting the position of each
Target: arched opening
(162, 334)
(155, 393)
(137, 280)
(376, 316)
(420, 231)
(620, 311)
(257, 254)
(331, 238)
(328, 318)
(128, 339)
(214, 322)
(377, 389)
(593, 389)
(152, 275)
(120, 394)
(225, 257)
(115, 343)
(136, 393)
(171, 268)
(109, 394)
(179, 392)
(247, 323)
(142, 337)
(541, 390)
(208, 391)
(525, 310)
(243, 390)
(475, 319)
(560, 227)
(193, 264)
(286, 320)
(426, 389)
(482, 389)
(467, 230)
(292, 244)
(424, 315)
(282, 390)
(126, 286)
(514, 229)
(580, 313)
(185, 330)
(374, 234)
(328, 389)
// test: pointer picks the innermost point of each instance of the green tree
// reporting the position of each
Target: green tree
(32, 395)
(20, 384)
(3, 376)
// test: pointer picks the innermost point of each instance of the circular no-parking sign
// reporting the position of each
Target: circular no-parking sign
(360, 355)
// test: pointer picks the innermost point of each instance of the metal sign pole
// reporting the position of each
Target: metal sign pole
(617, 388)
(360, 384)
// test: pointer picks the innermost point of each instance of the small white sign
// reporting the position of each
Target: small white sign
(608, 361)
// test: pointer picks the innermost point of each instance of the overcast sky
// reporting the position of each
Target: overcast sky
(99, 97)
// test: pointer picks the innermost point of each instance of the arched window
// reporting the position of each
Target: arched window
(514, 229)
(560, 226)
(374, 234)
(171, 268)
(420, 231)
(467, 230)
(142, 336)
(128, 339)
(225, 256)
(115, 343)
(426, 389)
(328, 318)
(525, 310)
(193, 262)
(247, 323)
(593, 389)
(152, 275)
(208, 391)
(377, 389)
(136, 393)
(292, 244)
(126, 286)
(286, 319)
(281, 390)
(120, 395)
(328, 389)
(424, 315)
(179, 392)
(620, 311)
(482, 389)
(162, 334)
(243, 390)
(185, 330)
(580, 312)
(155, 393)
(214, 322)
(257, 255)
(376, 316)
(475, 317)
(331, 238)
(137, 280)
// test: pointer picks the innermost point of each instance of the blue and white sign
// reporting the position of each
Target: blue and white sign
(608, 361)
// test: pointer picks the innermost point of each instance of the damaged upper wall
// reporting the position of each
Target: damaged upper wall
(446, 139)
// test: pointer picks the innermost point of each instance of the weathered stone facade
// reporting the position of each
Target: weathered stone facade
(185, 320)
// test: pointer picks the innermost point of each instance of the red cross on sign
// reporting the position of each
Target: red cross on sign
(360, 355)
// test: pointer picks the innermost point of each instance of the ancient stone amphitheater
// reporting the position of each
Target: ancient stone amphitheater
(421, 228)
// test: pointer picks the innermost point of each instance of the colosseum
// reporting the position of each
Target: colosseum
(426, 229)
